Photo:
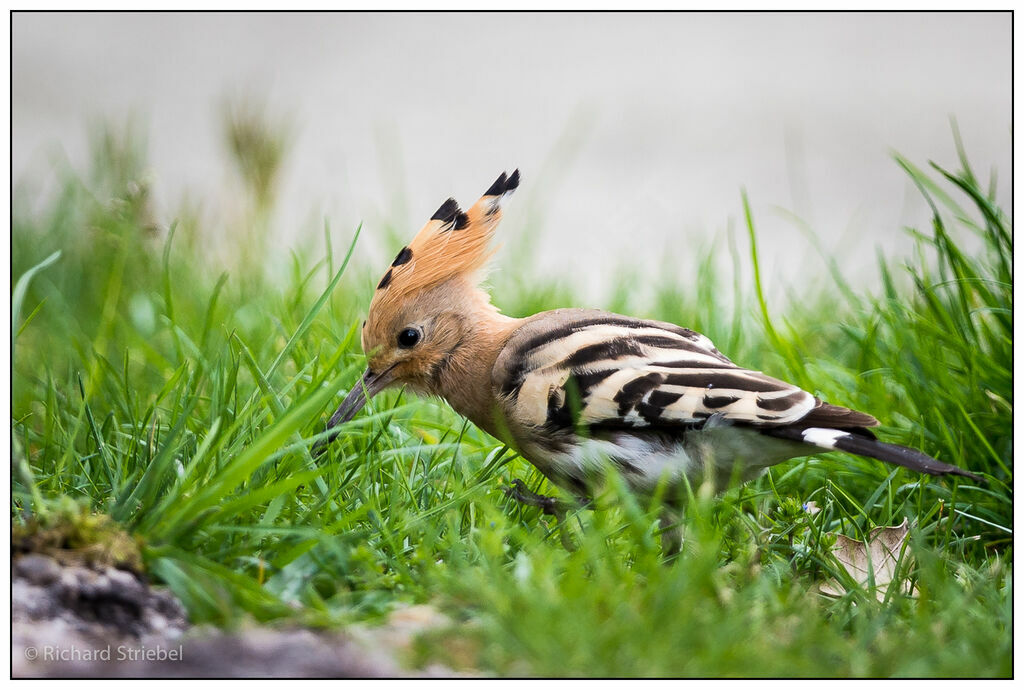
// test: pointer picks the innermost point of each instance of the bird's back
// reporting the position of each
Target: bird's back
(580, 388)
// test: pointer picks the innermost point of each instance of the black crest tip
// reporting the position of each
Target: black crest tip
(498, 187)
(403, 257)
(504, 184)
(461, 221)
(447, 211)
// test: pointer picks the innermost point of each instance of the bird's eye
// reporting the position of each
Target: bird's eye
(409, 337)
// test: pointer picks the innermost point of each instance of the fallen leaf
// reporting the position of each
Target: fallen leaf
(879, 557)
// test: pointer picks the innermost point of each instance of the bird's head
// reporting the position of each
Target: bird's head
(424, 307)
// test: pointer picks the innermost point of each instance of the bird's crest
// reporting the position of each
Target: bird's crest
(452, 243)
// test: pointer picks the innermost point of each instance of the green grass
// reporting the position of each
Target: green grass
(182, 401)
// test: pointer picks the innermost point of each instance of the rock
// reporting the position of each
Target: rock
(66, 618)
(266, 653)
(88, 620)
(392, 642)
(37, 569)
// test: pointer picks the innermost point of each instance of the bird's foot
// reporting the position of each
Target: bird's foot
(549, 505)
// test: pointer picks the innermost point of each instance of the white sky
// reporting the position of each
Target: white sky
(634, 132)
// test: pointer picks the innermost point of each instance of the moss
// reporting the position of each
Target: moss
(73, 535)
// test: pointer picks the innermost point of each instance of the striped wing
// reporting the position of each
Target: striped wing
(602, 370)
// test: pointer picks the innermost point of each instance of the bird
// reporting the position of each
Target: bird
(581, 392)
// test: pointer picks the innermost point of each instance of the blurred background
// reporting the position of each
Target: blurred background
(635, 133)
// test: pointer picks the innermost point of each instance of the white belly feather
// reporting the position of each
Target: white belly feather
(717, 453)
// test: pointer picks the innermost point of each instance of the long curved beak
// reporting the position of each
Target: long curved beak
(368, 386)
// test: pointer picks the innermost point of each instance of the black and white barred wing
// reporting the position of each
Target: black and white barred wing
(575, 367)
(572, 369)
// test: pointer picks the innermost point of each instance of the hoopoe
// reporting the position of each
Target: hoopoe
(576, 391)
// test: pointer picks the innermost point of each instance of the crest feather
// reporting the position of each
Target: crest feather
(452, 243)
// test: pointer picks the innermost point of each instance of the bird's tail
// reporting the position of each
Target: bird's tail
(862, 442)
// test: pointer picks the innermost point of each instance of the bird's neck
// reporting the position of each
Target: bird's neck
(466, 381)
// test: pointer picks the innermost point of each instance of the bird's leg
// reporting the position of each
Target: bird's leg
(671, 534)
(549, 505)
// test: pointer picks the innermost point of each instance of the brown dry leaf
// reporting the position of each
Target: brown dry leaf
(881, 554)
